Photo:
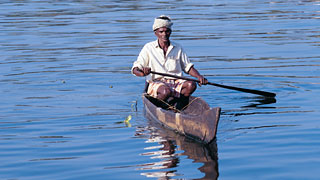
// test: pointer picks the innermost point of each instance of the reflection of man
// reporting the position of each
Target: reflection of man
(169, 159)
(166, 56)
(169, 149)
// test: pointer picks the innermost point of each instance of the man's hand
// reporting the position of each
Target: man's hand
(146, 71)
(203, 80)
(141, 72)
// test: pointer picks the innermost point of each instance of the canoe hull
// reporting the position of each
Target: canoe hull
(198, 121)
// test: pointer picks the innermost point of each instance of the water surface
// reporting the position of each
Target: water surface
(66, 90)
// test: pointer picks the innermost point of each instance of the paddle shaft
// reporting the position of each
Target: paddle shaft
(252, 91)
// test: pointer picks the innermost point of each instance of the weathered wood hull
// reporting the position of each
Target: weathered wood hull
(197, 121)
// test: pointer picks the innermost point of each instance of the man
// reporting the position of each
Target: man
(166, 56)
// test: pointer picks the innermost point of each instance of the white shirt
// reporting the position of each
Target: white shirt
(175, 62)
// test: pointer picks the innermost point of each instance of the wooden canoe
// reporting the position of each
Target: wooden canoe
(197, 121)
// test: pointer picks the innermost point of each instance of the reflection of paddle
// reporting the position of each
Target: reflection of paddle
(261, 101)
(252, 91)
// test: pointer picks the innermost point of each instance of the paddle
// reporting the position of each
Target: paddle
(252, 91)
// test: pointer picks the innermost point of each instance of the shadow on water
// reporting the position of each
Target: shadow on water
(257, 102)
(170, 144)
(252, 104)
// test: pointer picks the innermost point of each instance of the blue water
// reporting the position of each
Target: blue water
(66, 90)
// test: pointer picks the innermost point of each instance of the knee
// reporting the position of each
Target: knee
(163, 92)
(188, 88)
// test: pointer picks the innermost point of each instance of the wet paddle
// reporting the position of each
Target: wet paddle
(252, 91)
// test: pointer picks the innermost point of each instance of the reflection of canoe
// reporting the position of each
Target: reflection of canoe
(197, 121)
(174, 148)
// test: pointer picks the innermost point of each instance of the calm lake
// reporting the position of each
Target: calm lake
(66, 90)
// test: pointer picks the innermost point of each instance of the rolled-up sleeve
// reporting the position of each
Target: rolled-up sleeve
(142, 60)
(185, 62)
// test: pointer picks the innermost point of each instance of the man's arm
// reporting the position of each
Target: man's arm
(194, 72)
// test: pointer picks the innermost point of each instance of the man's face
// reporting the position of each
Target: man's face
(163, 34)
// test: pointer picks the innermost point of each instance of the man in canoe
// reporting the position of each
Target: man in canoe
(165, 56)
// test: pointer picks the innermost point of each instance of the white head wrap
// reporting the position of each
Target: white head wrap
(162, 21)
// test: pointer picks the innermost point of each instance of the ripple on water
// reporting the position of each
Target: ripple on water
(66, 90)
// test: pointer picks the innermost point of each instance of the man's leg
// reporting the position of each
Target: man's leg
(159, 90)
(163, 92)
(188, 88)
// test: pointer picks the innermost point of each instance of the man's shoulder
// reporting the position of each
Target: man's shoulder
(176, 45)
(151, 44)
